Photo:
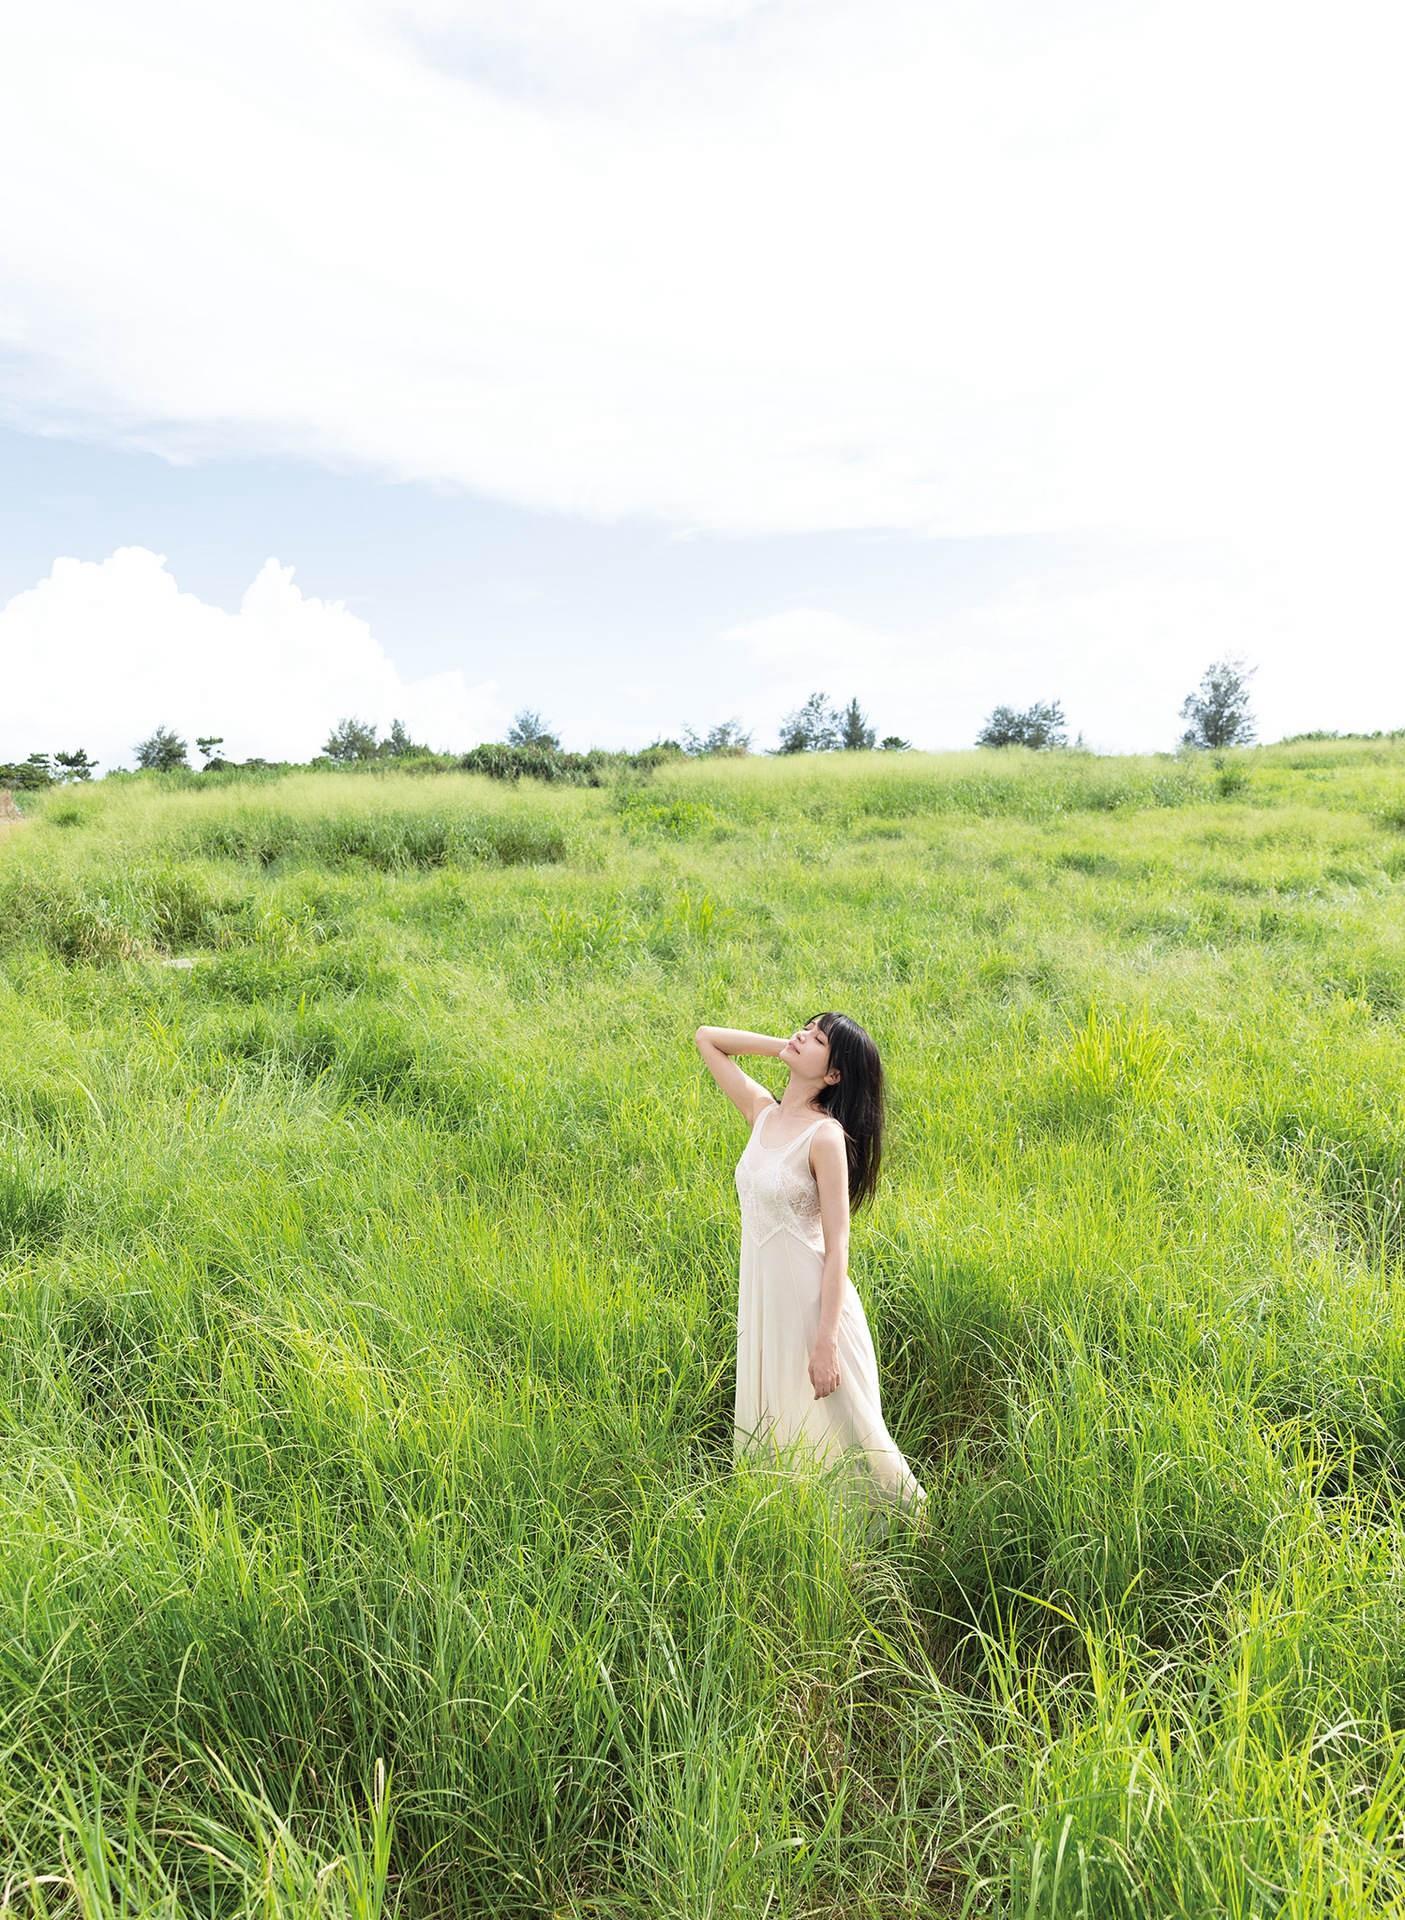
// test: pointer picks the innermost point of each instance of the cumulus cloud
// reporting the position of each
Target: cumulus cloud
(99, 654)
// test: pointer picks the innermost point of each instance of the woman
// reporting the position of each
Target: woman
(806, 1370)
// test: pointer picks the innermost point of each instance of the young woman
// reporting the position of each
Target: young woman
(806, 1369)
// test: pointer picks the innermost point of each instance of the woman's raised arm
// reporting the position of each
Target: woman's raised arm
(715, 1044)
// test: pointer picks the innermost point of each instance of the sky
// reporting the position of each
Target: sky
(655, 363)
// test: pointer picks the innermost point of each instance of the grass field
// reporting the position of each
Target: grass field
(370, 1537)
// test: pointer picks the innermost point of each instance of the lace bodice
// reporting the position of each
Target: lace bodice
(777, 1189)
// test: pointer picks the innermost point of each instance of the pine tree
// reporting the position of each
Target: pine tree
(856, 734)
(349, 741)
(1218, 711)
(726, 738)
(162, 751)
(813, 728)
(1041, 725)
(77, 766)
(527, 730)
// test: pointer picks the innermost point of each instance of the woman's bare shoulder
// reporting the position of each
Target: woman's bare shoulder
(829, 1136)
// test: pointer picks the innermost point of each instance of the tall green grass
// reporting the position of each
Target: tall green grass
(369, 1539)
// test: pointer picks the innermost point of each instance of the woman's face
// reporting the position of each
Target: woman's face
(808, 1049)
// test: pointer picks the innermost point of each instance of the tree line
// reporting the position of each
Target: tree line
(1216, 714)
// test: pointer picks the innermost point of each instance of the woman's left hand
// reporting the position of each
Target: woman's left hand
(824, 1368)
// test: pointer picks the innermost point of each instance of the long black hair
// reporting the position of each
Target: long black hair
(855, 1099)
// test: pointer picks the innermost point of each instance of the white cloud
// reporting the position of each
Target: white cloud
(101, 653)
(961, 268)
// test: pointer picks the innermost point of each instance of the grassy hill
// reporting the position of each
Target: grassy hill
(369, 1540)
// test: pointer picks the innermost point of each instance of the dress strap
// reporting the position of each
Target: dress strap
(802, 1136)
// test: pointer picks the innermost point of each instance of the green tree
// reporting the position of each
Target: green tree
(162, 751)
(397, 742)
(1002, 729)
(1218, 710)
(855, 733)
(527, 730)
(76, 766)
(725, 738)
(1041, 725)
(894, 743)
(1044, 725)
(350, 741)
(813, 728)
(28, 775)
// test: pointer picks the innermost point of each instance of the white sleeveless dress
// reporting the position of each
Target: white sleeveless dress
(778, 1315)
